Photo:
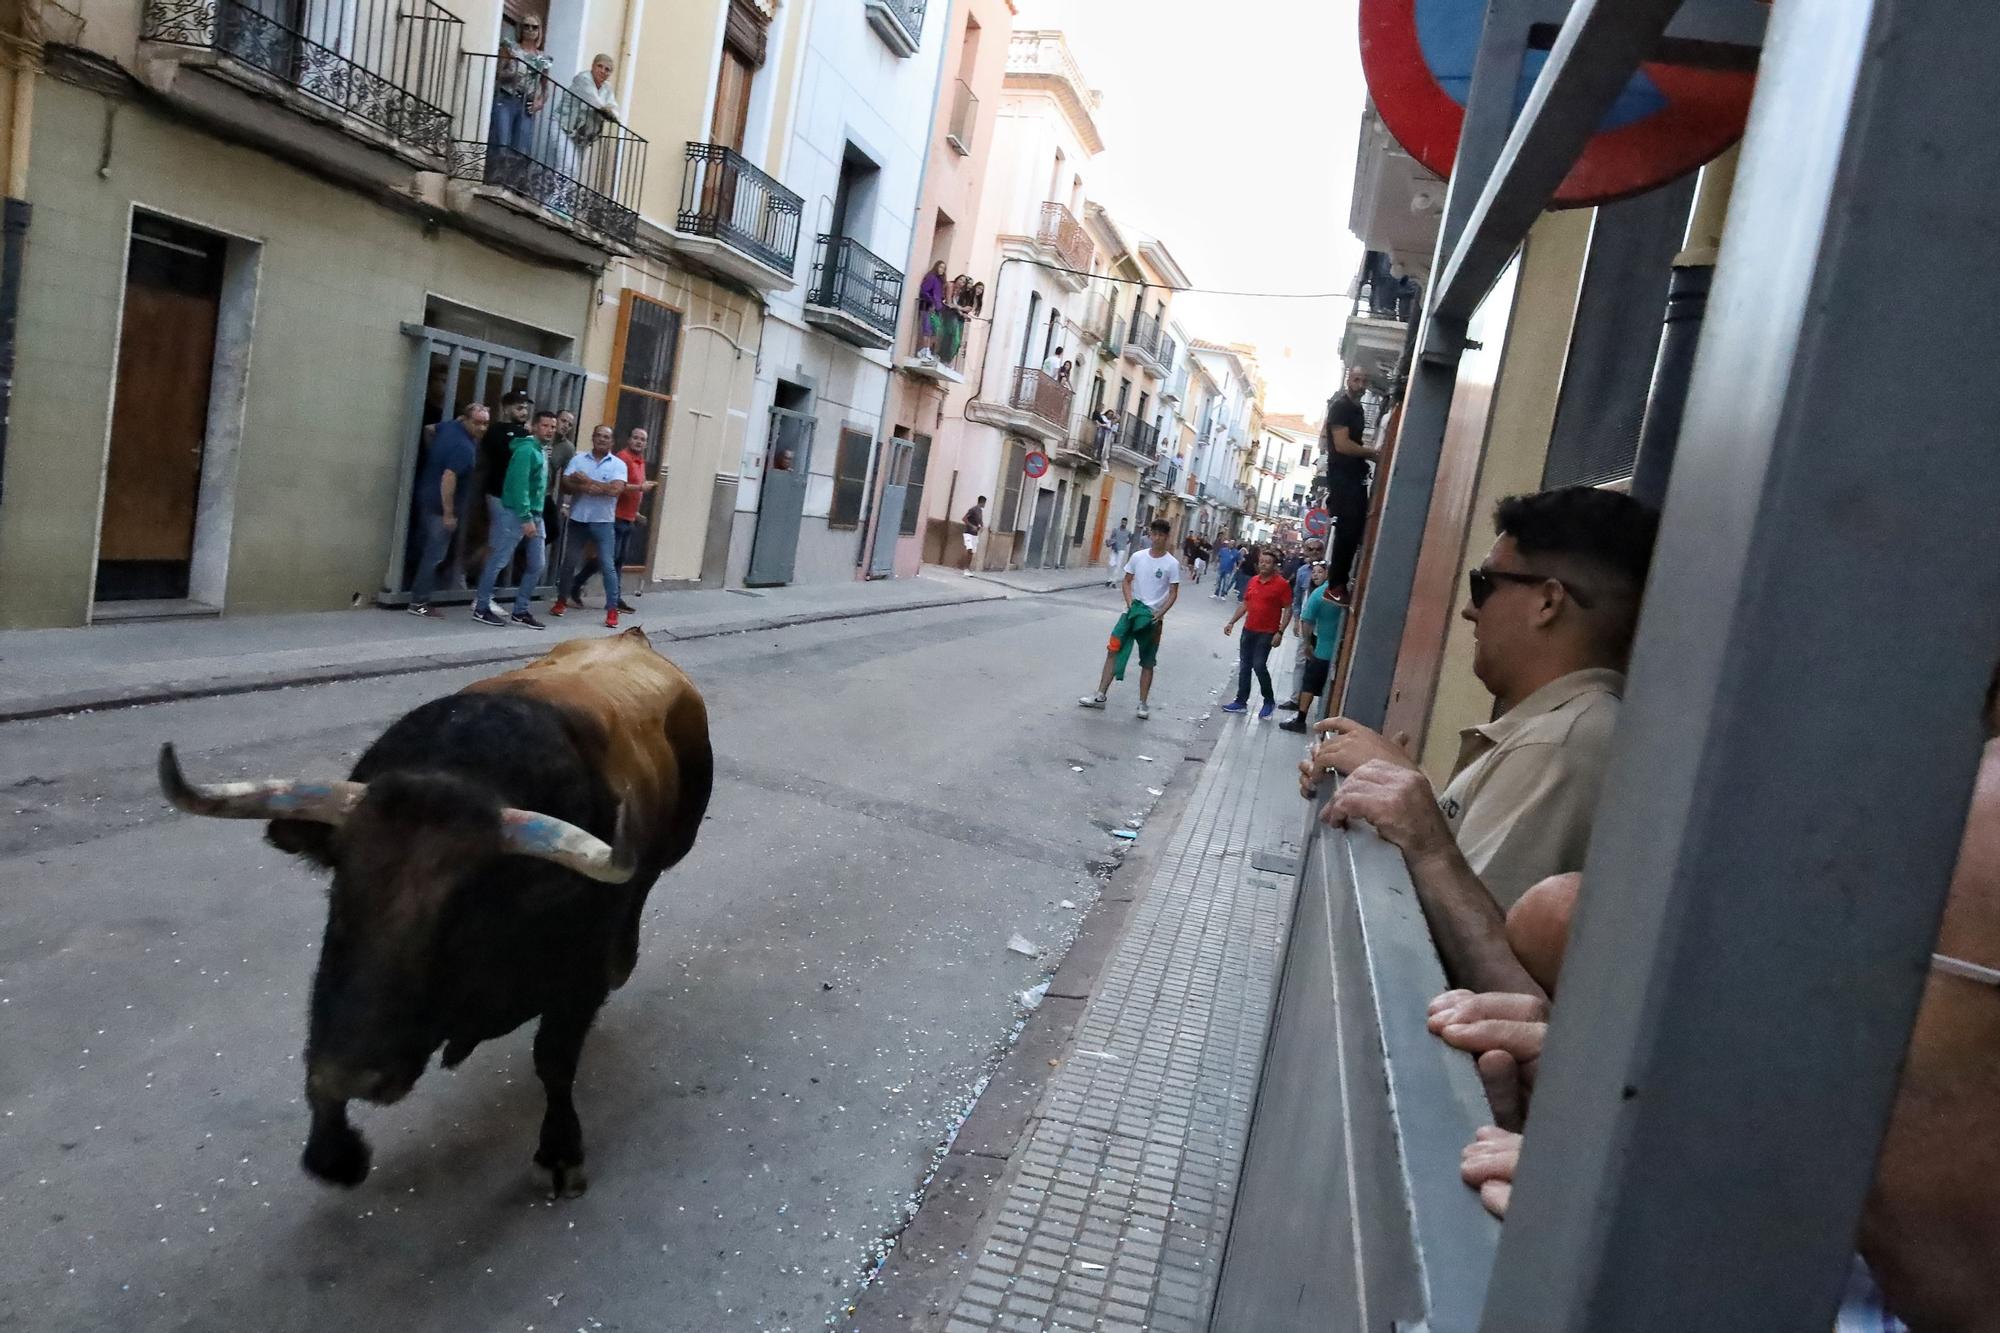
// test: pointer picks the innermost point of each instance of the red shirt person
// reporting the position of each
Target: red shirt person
(1266, 609)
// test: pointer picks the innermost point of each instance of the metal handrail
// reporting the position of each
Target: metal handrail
(964, 118)
(390, 63)
(723, 196)
(543, 143)
(850, 278)
(1037, 391)
(1140, 437)
(1062, 233)
(909, 14)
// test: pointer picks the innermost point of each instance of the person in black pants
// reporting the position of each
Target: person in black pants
(1347, 460)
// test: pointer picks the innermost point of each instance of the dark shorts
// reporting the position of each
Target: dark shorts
(1317, 670)
(1147, 642)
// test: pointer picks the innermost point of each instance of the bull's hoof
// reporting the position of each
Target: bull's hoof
(339, 1156)
(564, 1180)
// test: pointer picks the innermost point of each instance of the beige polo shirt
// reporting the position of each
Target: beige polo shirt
(1525, 789)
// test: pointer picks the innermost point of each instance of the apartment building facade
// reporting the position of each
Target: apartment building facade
(927, 482)
(867, 85)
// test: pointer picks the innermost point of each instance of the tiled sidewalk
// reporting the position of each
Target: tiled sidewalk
(1119, 1199)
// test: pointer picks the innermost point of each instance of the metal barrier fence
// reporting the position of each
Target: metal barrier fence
(537, 140)
(391, 63)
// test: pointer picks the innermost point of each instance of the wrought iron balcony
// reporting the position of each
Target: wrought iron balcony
(855, 295)
(1065, 237)
(1142, 345)
(899, 23)
(725, 199)
(937, 346)
(546, 147)
(1043, 395)
(964, 118)
(390, 64)
(1140, 438)
(1093, 325)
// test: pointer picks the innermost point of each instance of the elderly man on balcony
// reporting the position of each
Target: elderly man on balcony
(1553, 608)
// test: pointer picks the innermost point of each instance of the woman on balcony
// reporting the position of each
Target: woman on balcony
(930, 312)
(519, 93)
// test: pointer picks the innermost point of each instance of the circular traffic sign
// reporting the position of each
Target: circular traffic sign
(1317, 522)
(1037, 464)
(1418, 57)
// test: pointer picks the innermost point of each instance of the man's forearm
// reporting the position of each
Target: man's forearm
(448, 493)
(1468, 927)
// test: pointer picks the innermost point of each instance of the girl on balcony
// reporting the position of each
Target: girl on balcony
(930, 312)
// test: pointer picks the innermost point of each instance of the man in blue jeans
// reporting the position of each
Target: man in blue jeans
(441, 495)
(516, 515)
(594, 481)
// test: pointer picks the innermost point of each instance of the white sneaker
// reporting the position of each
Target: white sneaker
(1091, 701)
(1144, 712)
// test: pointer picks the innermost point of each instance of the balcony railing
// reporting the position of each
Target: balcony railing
(964, 116)
(542, 143)
(389, 63)
(900, 23)
(862, 285)
(943, 348)
(1139, 437)
(724, 197)
(1094, 323)
(1146, 336)
(1044, 395)
(1164, 351)
(1062, 233)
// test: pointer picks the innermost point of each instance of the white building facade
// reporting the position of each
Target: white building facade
(860, 116)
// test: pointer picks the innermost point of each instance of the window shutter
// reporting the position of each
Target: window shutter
(745, 32)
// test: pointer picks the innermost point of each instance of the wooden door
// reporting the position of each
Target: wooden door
(732, 100)
(159, 415)
(1103, 518)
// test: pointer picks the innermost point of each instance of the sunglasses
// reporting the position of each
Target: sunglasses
(1480, 584)
(531, 27)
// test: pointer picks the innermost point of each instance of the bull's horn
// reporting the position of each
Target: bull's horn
(530, 833)
(318, 802)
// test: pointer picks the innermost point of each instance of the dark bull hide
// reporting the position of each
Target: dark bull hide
(491, 855)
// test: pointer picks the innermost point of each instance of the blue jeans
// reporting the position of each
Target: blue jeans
(504, 537)
(1254, 655)
(437, 540)
(608, 540)
(1224, 580)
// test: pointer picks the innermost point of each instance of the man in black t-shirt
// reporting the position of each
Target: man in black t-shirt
(975, 523)
(1347, 460)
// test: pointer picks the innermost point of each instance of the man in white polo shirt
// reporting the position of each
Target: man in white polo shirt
(1152, 582)
(595, 480)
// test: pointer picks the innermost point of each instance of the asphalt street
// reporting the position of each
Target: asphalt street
(822, 988)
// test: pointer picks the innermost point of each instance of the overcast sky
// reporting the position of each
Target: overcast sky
(1229, 132)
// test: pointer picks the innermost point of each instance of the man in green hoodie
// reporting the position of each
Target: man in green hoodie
(519, 520)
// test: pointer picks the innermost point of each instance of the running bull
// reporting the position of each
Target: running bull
(491, 855)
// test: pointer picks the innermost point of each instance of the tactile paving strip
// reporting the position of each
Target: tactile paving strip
(1120, 1199)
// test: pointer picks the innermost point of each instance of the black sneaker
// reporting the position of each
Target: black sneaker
(1297, 724)
(527, 621)
(628, 610)
(488, 616)
(422, 609)
(1289, 706)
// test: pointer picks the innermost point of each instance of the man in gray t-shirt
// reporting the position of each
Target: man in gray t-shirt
(1115, 547)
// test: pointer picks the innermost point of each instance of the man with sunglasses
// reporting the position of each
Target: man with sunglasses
(1553, 607)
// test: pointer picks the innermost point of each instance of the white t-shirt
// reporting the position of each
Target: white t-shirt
(1153, 577)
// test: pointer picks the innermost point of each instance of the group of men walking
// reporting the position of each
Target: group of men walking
(596, 493)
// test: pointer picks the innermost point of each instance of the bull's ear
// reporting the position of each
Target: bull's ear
(303, 838)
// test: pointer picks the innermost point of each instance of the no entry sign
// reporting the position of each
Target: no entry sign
(1037, 464)
(1418, 56)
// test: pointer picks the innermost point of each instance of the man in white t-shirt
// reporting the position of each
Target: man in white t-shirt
(1152, 576)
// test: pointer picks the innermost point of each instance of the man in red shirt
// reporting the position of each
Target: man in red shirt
(1266, 609)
